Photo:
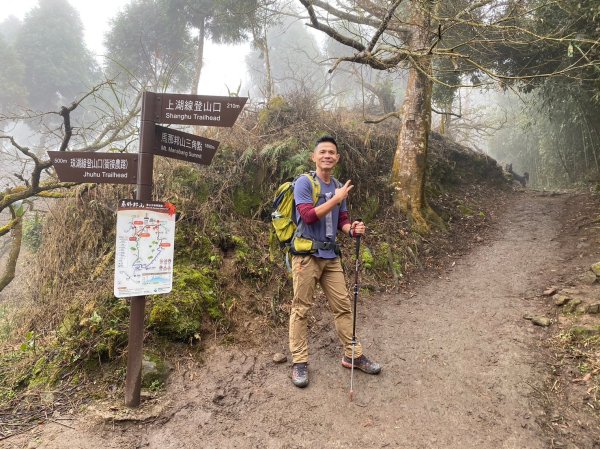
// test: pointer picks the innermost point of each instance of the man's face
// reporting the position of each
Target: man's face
(325, 156)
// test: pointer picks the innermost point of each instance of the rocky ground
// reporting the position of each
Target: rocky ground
(474, 356)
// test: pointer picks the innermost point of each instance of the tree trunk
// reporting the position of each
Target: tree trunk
(270, 88)
(564, 165)
(410, 159)
(199, 57)
(443, 124)
(259, 35)
(446, 118)
(13, 255)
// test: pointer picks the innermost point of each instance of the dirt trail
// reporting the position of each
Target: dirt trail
(460, 367)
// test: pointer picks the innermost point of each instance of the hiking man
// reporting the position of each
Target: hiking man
(320, 262)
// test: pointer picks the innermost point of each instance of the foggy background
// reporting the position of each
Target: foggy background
(56, 50)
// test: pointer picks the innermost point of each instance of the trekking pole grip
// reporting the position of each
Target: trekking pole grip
(358, 236)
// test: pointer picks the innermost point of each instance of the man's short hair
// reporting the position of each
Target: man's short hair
(326, 139)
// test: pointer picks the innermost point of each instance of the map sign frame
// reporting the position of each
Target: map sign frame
(145, 241)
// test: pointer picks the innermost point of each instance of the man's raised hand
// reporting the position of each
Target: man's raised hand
(342, 192)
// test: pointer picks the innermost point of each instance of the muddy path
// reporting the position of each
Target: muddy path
(460, 367)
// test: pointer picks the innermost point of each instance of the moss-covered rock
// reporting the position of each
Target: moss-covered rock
(593, 308)
(588, 277)
(582, 332)
(560, 300)
(179, 315)
(572, 305)
(155, 372)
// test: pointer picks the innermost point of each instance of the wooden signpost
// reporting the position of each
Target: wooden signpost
(124, 168)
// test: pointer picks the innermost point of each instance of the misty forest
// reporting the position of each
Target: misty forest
(470, 131)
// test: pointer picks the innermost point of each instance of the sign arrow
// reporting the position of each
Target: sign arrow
(201, 110)
(100, 168)
(186, 147)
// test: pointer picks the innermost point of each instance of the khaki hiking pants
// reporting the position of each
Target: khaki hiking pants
(306, 272)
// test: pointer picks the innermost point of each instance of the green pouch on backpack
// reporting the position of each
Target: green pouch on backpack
(302, 245)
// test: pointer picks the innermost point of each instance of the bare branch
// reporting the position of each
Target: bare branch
(472, 8)
(25, 150)
(445, 113)
(383, 26)
(372, 21)
(383, 117)
(8, 226)
(20, 193)
(111, 132)
(328, 30)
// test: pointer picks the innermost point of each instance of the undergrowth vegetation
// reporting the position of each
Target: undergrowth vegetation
(580, 347)
(227, 270)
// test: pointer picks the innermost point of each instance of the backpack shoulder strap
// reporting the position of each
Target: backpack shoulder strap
(316, 186)
(338, 184)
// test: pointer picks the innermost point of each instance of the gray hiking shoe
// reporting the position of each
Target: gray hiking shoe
(300, 374)
(362, 363)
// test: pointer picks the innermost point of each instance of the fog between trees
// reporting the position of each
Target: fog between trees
(517, 80)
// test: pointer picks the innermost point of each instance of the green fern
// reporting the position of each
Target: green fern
(247, 156)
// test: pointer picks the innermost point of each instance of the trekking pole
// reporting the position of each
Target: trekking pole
(354, 311)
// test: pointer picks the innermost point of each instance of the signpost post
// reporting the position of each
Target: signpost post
(133, 378)
(124, 168)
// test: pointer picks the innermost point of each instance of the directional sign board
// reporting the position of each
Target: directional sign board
(84, 166)
(186, 147)
(144, 249)
(199, 110)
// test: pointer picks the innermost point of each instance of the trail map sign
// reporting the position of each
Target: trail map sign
(186, 147)
(144, 249)
(86, 166)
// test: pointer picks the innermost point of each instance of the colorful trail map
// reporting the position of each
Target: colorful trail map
(144, 248)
